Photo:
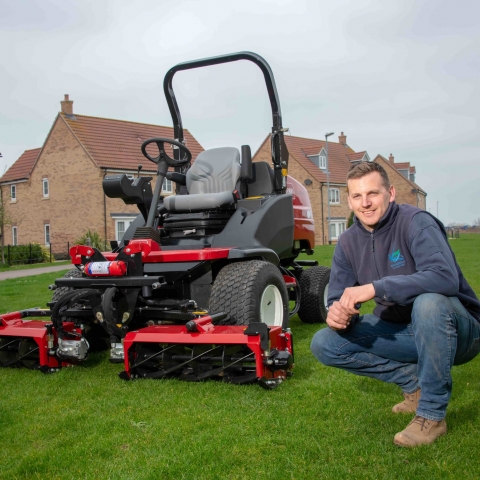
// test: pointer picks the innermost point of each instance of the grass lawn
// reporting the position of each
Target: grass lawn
(7, 268)
(85, 423)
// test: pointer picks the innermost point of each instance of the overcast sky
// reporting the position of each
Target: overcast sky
(397, 76)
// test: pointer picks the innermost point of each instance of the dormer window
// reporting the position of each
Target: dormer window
(46, 188)
(319, 160)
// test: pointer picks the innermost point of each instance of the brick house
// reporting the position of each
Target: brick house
(402, 175)
(54, 194)
(307, 164)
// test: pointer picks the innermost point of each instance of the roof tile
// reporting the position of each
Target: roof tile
(339, 163)
(22, 167)
(116, 143)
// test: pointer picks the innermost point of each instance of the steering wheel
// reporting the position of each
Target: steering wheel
(171, 162)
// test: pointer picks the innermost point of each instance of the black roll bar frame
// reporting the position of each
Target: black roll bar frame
(279, 149)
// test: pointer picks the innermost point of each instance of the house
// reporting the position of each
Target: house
(308, 165)
(407, 190)
(54, 194)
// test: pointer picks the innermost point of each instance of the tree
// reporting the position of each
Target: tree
(93, 239)
(5, 219)
(350, 220)
(476, 222)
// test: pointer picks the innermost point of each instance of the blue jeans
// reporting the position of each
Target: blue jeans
(415, 355)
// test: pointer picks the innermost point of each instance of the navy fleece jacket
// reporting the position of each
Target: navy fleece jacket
(406, 255)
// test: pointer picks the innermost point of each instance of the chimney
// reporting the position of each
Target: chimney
(342, 139)
(391, 159)
(67, 105)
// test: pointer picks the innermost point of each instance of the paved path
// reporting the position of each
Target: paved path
(33, 271)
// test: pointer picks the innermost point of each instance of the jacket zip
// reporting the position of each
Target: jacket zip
(374, 257)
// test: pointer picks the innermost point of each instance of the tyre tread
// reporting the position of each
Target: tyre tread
(313, 282)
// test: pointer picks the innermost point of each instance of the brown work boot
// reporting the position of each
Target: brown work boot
(420, 431)
(409, 404)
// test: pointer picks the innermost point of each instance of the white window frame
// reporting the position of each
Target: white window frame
(46, 234)
(339, 226)
(167, 186)
(15, 235)
(320, 160)
(334, 196)
(13, 193)
(45, 183)
(127, 221)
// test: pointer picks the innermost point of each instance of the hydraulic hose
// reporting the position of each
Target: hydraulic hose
(64, 303)
(107, 307)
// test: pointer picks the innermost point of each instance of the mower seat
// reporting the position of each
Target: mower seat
(211, 181)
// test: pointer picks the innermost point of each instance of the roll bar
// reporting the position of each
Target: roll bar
(279, 149)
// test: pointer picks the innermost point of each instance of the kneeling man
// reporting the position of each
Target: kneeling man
(427, 317)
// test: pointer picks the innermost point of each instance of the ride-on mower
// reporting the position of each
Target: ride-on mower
(201, 283)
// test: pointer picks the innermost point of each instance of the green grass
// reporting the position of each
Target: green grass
(7, 268)
(84, 422)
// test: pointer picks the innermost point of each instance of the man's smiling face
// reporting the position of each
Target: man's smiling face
(369, 198)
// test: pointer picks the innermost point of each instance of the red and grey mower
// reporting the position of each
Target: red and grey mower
(200, 285)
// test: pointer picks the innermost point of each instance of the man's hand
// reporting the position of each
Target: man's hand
(341, 312)
(354, 295)
(338, 318)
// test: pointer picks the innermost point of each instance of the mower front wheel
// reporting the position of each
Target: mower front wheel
(314, 292)
(252, 291)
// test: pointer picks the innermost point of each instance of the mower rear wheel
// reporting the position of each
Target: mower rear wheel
(252, 291)
(314, 292)
(74, 273)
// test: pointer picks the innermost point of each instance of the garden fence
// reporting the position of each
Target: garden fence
(34, 253)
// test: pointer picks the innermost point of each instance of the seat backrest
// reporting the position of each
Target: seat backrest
(214, 171)
(262, 181)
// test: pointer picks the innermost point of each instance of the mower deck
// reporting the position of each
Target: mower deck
(29, 343)
(200, 350)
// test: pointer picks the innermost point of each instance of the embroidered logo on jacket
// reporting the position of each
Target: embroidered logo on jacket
(396, 258)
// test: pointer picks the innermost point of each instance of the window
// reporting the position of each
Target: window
(120, 229)
(121, 226)
(47, 234)
(319, 160)
(337, 227)
(13, 193)
(334, 196)
(167, 186)
(14, 235)
(46, 191)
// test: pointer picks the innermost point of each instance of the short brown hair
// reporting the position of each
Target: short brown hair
(364, 168)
